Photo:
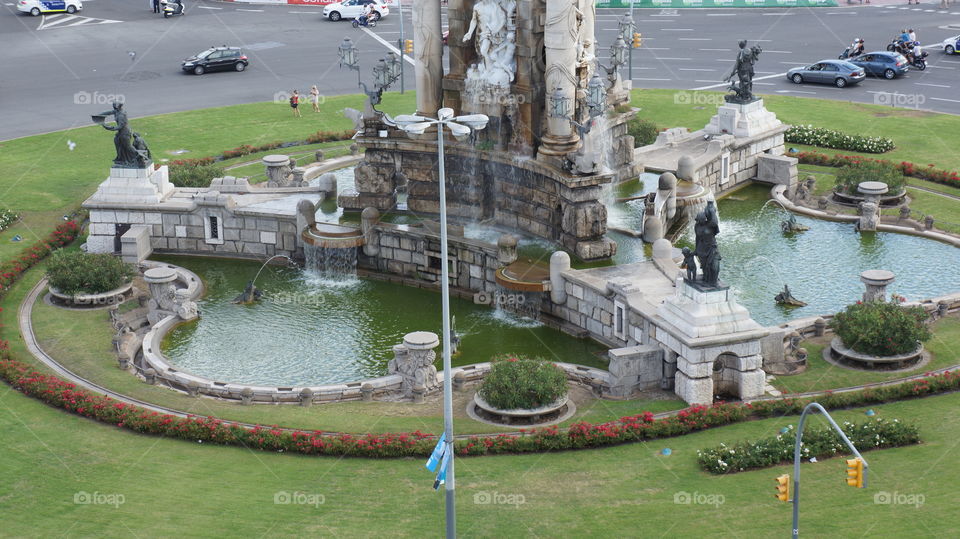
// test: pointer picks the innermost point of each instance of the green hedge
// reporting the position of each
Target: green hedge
(817, 443)
(880, 328)
(522, 383)
(853, 174)
(194, 174)
(76, 272)
(830, 138)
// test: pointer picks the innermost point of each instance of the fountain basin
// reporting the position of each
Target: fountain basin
(524, 276)
(554, 412)
(332, 236)
(840, 352)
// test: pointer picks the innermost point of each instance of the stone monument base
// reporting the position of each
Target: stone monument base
(742, 120)
(702, 311)
(134, 186)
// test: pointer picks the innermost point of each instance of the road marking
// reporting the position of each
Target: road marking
(721, 14)
(951, 61)
(764, 84)
(842, 13)
(934, 85)
(793, 63)
(654, 20)
(674, 58)
(655, 48)
(696, 69)
(299, 12)
(784, 74)
(64, 20)
(387, 44)
(944, 99)
(784, 14)
(638, 78)
(929, 10)
(710, 81)
(694, 39)
(252, 10)
(718, 50)
(676, 29)
(940, 67)
(209, 7)
(795, 92)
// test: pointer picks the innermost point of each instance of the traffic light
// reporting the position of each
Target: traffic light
(855, 472)
(783, 488)
(408, 46)
(637, 40)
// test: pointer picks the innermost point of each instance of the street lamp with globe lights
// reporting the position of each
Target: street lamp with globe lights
(349, 56)
(459, 126)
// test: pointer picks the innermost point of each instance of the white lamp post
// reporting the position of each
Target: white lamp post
(459, 126)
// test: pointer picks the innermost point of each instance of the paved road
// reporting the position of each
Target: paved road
(58, 70)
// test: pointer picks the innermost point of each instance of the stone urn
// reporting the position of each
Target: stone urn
(526, 415)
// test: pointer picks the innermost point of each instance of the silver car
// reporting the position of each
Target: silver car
(839, 73)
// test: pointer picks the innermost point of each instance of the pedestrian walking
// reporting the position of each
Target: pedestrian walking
(295, 103)
(315, 98)
(156, 6)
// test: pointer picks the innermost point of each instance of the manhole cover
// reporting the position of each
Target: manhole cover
(136, 76)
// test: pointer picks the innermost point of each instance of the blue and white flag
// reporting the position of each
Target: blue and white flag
(438, 453)
(442, 476)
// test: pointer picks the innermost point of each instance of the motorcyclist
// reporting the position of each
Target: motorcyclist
(857, 49)
(917, 51)
(367, 12)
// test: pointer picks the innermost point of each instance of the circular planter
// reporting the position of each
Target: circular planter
(104, 299)
(839, 352)
(555, 412)
(888, 200)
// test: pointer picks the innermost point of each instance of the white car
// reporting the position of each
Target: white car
(36, 7)
(950, 45)
(351, 9)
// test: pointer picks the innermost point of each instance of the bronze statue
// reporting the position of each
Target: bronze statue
(132, 151)
(690, 262)
(743, 69)
(706, 228)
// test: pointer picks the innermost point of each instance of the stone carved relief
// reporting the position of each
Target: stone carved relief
(493, 26)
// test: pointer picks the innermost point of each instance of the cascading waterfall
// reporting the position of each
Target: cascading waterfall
(337, 264)
(522, 304)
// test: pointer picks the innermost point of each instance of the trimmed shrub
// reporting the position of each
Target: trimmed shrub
(198, 174)
(850, 176)
(830, 138)
(880, 328)
(76, 272)
(817, 443)
(7, 217)
(644, 132)
(523, 383)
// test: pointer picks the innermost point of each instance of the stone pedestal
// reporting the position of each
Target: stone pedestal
(134, 186)
(413, 361)
(870, 207)
(277, 168)
(717, 344)
(634, 368)
(876, 282)
(742, 120)
(162, 292)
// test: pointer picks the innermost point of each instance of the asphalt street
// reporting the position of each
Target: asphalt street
(55, 71)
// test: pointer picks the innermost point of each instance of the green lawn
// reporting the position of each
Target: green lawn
(303, 154)
(175, 488)
(821, 375)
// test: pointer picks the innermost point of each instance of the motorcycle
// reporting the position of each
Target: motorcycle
(897, 45)
(364, 21)
(919, 62)
(172, 8)
(846, 54)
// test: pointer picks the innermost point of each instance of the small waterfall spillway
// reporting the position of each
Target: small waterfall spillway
(330, 250)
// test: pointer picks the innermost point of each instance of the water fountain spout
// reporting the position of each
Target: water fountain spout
(251, 293)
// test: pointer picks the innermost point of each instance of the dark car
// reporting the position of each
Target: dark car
(839, 73)
(216, 59)
(882, 64)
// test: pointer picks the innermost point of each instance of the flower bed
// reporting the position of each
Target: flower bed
(11, 270)
(62, 394)
(929, 172)
(7, 218)
(817, 443)
(74, 273)
(879, 328)
(830, 138)
(522, 383)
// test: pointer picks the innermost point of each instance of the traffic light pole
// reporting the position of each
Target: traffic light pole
(632, 30)
(400, 48)
(796, 459)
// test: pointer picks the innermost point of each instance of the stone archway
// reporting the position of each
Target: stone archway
(724, 375)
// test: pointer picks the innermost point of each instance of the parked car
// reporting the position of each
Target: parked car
(216, 59)
(950, 45)
(882, 64)
(839, 73)
(36, 7)
(351, 9)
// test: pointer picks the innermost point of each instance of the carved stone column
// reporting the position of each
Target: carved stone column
(560, 36)
(428, 55)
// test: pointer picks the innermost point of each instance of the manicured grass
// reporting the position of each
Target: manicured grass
(175, 488)
(910, 129)
(821, 375)
(255, 172)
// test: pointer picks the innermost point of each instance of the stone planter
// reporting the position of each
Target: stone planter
(886, 201)
(105, 299)
(840, 353)
(549, 413)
